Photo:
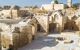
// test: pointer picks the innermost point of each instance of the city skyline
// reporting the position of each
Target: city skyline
(30, 2)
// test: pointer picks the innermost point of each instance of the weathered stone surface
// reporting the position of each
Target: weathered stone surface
(5, 40)
(43, 21)
(23, 38)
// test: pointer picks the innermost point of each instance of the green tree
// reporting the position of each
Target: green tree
(34, 7)
(56, 1)
(16, 7)
(75, 6)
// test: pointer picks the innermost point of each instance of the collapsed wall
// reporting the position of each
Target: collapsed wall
(17, 38)
(16, 35)
(43, 21)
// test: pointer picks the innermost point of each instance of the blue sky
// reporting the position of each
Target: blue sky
(29, 2)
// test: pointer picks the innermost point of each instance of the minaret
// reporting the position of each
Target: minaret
(52, 3)
(69, 3)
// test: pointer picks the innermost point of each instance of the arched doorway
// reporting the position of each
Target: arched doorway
(70, 26)
(52, 27)
(57, 19)
(40, 28)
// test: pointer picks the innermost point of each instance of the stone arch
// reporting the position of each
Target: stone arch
(57, 15)
(58, 20)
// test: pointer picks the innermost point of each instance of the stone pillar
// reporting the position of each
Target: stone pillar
(47, 26)
(34, 31)
(59, 28)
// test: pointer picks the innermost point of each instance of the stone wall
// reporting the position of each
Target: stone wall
(58, 19)
(47, 7)
(22, 38)
(59, 6)
(7, 13)
(17, 36)
(22, 13)
(78, 22)
(6, 39)
(43, 21)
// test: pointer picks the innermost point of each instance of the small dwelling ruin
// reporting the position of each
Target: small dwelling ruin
(16, 34)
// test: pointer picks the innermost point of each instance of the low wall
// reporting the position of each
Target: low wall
(6, 39)
(22, 38)
(17, 39)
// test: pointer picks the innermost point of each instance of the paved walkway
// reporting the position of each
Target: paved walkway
(50, 43)
(41, 43)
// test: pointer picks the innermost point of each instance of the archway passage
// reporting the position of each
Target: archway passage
(40, 28)
(70, 26)
(52, 27)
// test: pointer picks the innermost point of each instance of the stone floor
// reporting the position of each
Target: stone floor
(50, 43)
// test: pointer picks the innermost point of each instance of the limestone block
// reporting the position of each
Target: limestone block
(5, 41)
(43, 21)
(19, 40)
(29, 38)
(23, 37)
(16, 40)
(27, 33)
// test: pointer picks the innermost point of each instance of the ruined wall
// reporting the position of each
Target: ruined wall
(6, 39)
(17, 38)
(34, 28)
(43, 21)
(22, 13)
(58, 19)
(7, 13)
(23, 37)
(78, 22)
(17, 35)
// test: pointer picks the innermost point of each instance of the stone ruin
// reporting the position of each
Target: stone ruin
(17, 35)
(22, 32)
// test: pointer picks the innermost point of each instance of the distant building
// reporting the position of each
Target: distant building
(48, 7)
(1, 8)
(6, 7)
(9, 13)
(58, 6)
(69, 3)
(13, 14)
(52, 6)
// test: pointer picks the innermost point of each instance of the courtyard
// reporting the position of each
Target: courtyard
(50, 43)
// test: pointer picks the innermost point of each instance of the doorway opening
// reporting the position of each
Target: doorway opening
(40, 28)
(70, 26)
(52, 27)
